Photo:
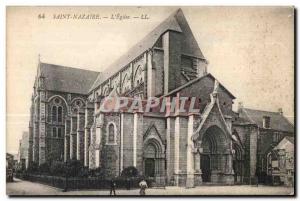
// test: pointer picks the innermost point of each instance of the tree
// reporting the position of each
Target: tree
(130, 172)
(44, 168)
(73, 168)
(33, 167)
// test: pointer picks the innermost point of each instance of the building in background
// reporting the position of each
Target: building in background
(23, 152)
(11, 164)
(258, 132)
(280, 161)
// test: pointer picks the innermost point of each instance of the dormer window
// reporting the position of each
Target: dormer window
(266, 121)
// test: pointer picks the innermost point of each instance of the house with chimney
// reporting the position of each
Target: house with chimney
(257, 132)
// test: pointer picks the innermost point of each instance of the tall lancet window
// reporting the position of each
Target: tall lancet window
(54, 114)
(138, 76)
(59, 114)
(111, 138)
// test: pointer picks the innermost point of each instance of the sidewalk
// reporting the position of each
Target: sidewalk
(20, 187)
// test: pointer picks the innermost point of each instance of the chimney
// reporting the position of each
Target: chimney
(280, 111)
(240, 106)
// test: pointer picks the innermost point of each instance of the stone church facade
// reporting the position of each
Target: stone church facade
(184, 149)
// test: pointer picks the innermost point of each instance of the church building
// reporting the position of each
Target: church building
(175, 148)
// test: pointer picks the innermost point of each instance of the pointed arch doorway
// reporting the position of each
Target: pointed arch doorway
(205, 167)
(154, 157)
(215, 158)
(154, 162)
(150, 155)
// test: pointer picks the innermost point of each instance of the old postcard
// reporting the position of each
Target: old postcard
(147, 101)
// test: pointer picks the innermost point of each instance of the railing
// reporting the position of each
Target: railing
(77, 183)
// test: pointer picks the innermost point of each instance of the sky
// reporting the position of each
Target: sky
(250, 50)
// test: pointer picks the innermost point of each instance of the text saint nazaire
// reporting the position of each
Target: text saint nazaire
(76, 16)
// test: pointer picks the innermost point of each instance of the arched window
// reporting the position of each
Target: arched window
(59, 114)
(111, 138)
(138, 76)
(105, 91)
(111, 134)
(54, 114)
(78, 103)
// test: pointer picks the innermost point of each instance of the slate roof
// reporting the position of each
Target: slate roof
(67, 79)
(196, 80)
(277, 121)
(175, 22)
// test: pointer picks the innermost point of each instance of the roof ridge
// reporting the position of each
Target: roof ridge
(277, 113)
(246, 113)
(261, 110)
(195, 80)
(279, 122)
(67, 79)
(61, 66)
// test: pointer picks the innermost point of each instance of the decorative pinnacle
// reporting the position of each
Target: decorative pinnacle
(39, 58)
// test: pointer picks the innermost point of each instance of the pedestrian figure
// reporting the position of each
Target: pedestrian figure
(112, 187)
(257, 177)
(66, 183)
(66, 180)
(143, 185)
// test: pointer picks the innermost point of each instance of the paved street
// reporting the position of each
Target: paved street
(20, 187)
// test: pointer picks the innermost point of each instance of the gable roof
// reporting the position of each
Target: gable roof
(291, 139)
(197, 80)
(67, 79)
(175, 22)
(152, 126)
(287, 143)
(277, 121)
(214, 102)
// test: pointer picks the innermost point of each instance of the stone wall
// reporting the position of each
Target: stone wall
(110, 151)
(170, 152)
(183, 121)
(248, 136)
(158, 122)
(202, 90)
(128, 140)
(158, 68)
(172, 60)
